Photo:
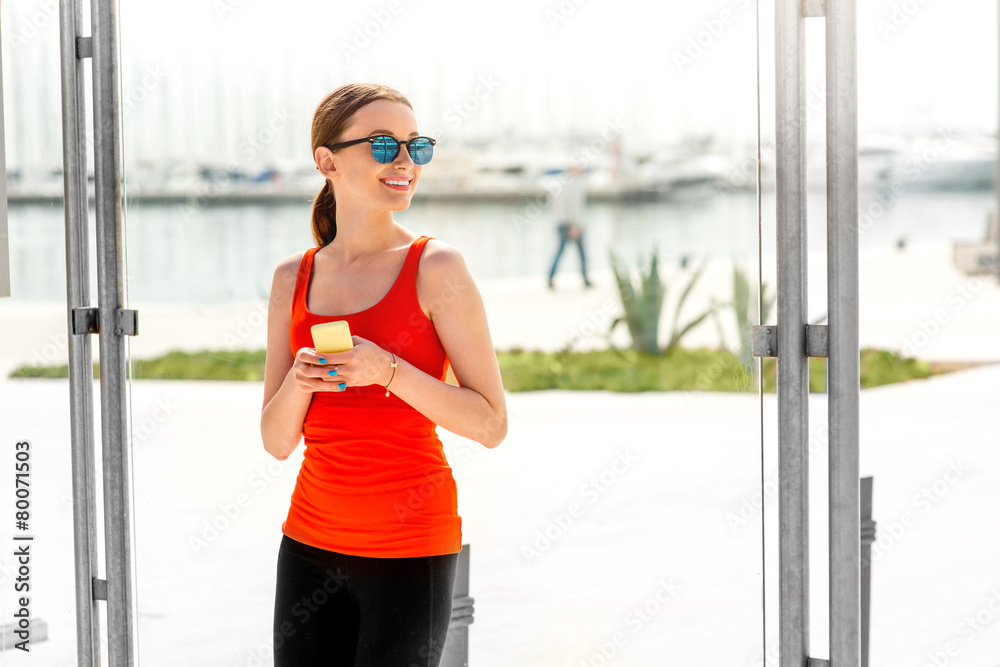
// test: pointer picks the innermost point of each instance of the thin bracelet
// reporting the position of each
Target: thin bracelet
(391, 376)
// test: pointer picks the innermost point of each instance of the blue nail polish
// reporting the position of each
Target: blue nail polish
(342, 386)
(322, 360)
(332, 371)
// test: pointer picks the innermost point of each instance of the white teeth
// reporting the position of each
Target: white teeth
(390, 181)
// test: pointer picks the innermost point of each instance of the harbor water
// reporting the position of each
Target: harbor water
(182, 253)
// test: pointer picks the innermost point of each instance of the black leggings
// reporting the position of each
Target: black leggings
(337, 610)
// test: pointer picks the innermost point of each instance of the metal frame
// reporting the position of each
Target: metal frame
(844, 358)
(112, 321)
(867, 539)
(793, 367)
(796, 342)
(108, 181)
(80, 371)
(456, 647)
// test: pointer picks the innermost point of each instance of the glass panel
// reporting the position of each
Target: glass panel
(929, 305)
(615, 522)
(765, 283)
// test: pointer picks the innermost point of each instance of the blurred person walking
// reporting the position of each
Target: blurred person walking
(567, 210)
(367, 559)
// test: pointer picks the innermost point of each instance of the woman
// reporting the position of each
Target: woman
(366, 564)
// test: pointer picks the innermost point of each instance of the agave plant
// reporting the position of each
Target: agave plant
(744, 305)
(643, 305)
(677, 329)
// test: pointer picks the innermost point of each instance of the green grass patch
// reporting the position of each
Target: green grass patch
(43, 372)
(623, 370)
(240, 365)
(680, 369)
(878, 367)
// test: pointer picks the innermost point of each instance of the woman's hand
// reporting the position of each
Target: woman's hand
(366, 363)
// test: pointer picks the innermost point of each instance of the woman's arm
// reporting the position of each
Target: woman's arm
(476, 409)
(285, 400)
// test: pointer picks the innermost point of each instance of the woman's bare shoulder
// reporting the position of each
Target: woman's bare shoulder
(288, 267)
(440, 257)
(444, 280)
(283, 282)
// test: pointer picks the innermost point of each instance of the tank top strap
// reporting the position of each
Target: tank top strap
(408, 274)
(302, 280)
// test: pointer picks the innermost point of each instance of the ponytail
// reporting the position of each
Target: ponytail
(324, 216)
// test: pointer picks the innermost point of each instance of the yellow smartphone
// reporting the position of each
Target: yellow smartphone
(332, 337)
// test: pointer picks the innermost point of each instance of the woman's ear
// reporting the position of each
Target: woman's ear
(325, 162)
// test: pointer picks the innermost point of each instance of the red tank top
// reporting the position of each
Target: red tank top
(374, 480)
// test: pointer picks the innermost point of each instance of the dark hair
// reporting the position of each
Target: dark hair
(332, 117)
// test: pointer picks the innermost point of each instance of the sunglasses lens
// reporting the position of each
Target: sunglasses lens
(421, 150)
(384, 149)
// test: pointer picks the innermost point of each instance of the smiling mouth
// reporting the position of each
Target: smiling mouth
(399, 184)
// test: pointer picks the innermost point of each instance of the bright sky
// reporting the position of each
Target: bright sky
(204, 69)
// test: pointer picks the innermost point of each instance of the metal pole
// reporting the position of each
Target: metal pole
(456, 647)
(843, 357)
(867, 538)
(114, 409)
(793, 369)
(81, 375)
